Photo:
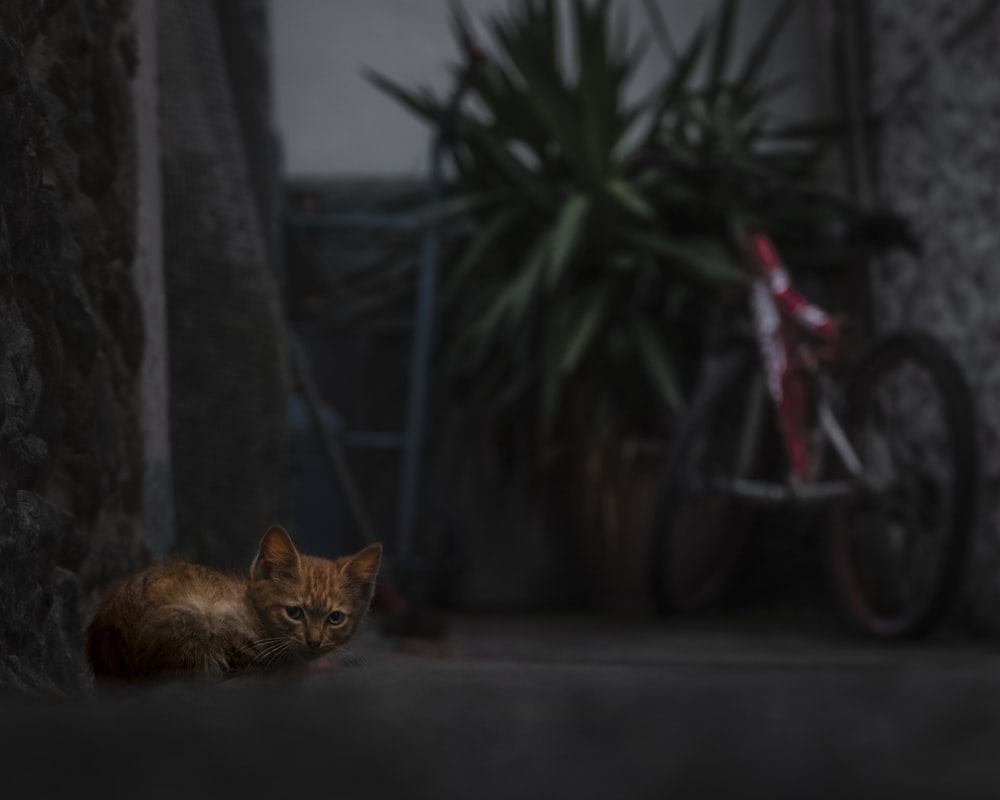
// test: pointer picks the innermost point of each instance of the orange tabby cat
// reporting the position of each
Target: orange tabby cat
(184, 620)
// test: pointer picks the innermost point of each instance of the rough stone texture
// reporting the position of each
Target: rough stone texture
(228, 375)
(70, 337)
(935, 80)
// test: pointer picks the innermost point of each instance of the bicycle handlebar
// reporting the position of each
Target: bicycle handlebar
(873, 228)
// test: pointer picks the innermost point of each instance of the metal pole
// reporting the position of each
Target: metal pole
(419, 364)
(424, 333)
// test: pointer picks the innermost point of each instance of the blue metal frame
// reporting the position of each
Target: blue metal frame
(411, 439)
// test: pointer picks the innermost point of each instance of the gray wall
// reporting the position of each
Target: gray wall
(936, 82)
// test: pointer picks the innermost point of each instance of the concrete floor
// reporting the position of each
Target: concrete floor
(546, 707)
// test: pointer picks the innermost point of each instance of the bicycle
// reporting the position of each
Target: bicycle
(899, 471)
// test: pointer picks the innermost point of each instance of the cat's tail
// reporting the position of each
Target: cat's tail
(107, 636)
(105, 650)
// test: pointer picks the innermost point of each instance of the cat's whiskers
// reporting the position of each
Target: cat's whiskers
(278, 647)
(254, 644)
(275, 654)
(263, 650)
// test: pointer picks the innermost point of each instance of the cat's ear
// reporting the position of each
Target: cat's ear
(363, 568)
(277, 559)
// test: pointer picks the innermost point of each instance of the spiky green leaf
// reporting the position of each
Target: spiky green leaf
(421, 102)
(567, 234)
(591, 312)
(764, 45)
(668, 99)
(629, 197)
(722, 43)
(656, 359)
(484, 243)
(703, 260)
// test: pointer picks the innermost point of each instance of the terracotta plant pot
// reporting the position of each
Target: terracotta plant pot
(614, 499)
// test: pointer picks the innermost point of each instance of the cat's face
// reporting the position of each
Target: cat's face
(312, 605)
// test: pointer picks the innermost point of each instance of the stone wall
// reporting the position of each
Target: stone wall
(71, 338)
(935, 83)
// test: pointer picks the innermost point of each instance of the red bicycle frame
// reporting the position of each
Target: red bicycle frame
(795, 338)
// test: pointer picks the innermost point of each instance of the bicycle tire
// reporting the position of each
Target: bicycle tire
(668, 533)
(962, 454)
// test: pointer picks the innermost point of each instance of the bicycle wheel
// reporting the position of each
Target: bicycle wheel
(899, 546)
(698, 532)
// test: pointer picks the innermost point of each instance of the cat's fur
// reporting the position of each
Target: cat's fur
(182, 620)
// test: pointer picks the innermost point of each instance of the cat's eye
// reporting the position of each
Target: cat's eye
(295, 612)
(336, 617)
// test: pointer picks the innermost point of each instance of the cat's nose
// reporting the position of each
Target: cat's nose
(313, 643)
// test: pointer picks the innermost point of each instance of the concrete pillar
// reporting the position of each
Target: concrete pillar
(154, 383)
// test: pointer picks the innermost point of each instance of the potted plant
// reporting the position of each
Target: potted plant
(573, 298)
